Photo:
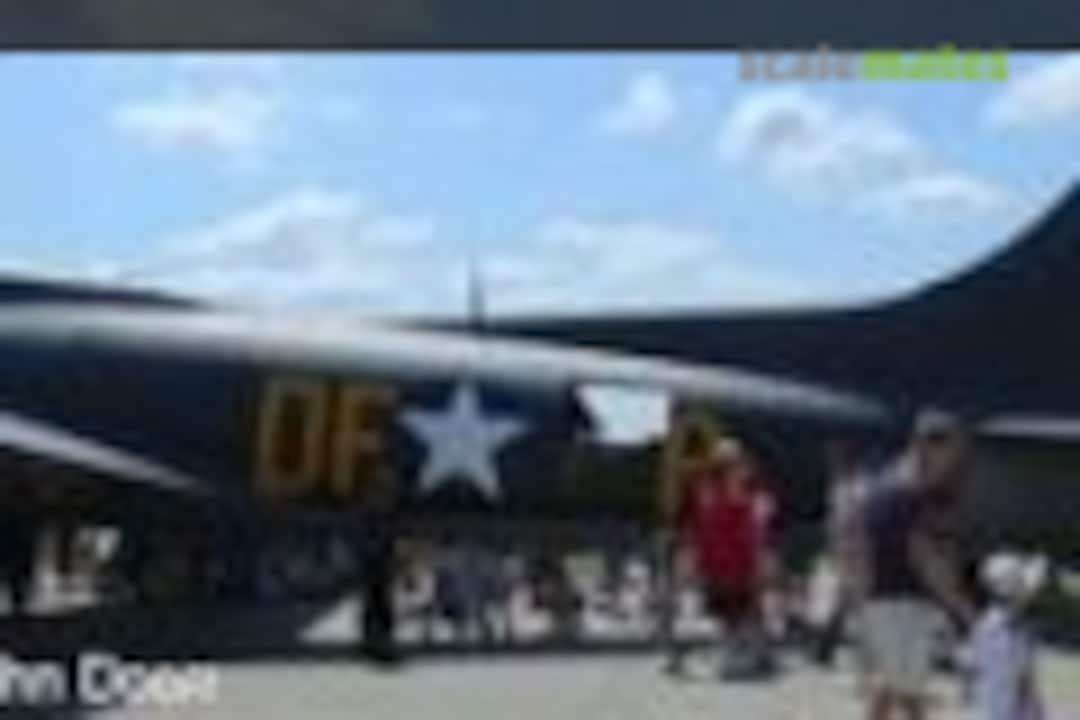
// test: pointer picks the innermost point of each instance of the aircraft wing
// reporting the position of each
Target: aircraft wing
(995, 336)
(276, 340)
(30, 437)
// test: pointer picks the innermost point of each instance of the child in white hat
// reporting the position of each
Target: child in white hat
(1003, 644)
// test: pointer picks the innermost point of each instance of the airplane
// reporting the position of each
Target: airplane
(133, 404)
(211, 429)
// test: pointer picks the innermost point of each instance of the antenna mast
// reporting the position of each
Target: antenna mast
(477, 309)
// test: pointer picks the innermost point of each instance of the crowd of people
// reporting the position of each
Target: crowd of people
(895, 584)
(896, 578)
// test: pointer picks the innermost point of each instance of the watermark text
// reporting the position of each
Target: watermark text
(99, 679)
(943, 63)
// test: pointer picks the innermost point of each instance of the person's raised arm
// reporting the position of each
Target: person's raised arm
(939, 573)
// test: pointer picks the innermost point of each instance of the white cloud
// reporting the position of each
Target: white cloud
(859, 159)
(576, 264)
(233, 121)
(322, 247)
(238, 110)
(939, 194)
(312, 246)
(332, 248)
(649, 105)
(229, 107)
(1046, 95)
(801, 140)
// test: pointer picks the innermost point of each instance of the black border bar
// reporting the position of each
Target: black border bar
(536, 24)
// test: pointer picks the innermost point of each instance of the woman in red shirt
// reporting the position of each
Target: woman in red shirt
(726, 516)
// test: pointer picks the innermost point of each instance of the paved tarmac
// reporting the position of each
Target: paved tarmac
(597, 688)
(511, 687)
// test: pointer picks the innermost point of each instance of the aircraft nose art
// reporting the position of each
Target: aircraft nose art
(440, 444)
(462, 442)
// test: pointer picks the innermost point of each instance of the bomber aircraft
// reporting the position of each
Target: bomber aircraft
(212, 430)
(131, 405)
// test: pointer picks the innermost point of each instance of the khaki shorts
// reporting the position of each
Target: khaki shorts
(899, 638)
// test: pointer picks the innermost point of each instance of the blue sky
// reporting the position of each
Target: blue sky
(581, 182)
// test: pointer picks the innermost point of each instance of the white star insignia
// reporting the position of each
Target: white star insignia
(461, 442)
